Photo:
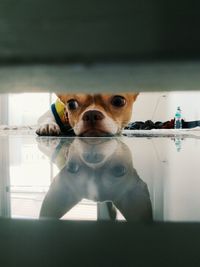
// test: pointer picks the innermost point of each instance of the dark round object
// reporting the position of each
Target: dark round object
(72, 104)
(118, 101)
(118, 170)
(73, 166)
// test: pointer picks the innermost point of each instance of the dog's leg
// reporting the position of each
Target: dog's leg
(48, 145)
(47, 125)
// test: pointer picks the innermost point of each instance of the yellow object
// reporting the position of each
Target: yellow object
(60, 108)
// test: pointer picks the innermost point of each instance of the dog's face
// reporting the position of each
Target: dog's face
(98, 115)
(98, 169)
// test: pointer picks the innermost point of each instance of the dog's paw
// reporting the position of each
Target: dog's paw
(45, 141)
(48, 129)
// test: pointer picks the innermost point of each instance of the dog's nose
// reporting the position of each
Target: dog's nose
(93, 157)
(93, 116)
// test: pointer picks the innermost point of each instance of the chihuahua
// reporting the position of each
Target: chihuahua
(87, 115)
(97, 169)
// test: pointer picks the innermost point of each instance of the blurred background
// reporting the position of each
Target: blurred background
(24, 109)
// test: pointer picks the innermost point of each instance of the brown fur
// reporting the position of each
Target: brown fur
(101, 102)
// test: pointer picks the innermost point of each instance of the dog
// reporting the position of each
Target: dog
(87, 115)
(98, 169)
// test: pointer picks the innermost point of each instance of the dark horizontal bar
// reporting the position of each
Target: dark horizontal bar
(61, 243)
(96, 31)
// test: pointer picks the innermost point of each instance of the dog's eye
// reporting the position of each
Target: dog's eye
(118, 101)
(72, 104)
(118, 170)
(73, 166)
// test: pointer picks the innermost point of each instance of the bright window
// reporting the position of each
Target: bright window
(25, 109)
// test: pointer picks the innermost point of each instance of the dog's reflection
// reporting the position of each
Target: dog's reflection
(98, 169)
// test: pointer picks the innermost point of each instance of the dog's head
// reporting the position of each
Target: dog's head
(99, 114)
(98, 169)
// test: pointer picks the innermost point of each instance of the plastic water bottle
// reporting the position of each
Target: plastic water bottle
(178, 143)
(178, 119)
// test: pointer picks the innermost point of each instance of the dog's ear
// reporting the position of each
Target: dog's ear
(62, 98)
(135, 95)
(132, 96)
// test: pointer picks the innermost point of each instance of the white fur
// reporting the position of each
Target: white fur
(107, 124)
(47, 125)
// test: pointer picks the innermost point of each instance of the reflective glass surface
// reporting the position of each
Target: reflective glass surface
(121, 178)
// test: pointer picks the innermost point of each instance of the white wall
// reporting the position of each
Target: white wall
(189, 103)
(162, 106)
(150, 106)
